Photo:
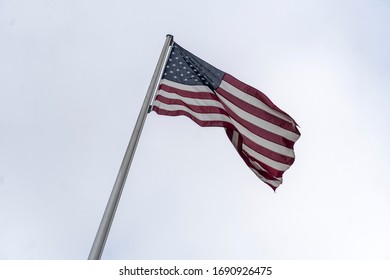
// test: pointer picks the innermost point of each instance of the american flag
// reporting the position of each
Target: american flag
(262, 134)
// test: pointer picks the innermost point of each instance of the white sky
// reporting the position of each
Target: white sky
(73, 75)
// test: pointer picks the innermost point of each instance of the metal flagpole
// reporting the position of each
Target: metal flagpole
(112, 204)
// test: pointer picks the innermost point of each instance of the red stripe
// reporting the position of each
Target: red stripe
(247, 158)
(195, 108)
(230, 134)
(266, 152)
(209, 109)
(189, 94)
(274, 172)
(253, 92)
(269, 173)
(260, 131)
(192, 117)
(258, 112)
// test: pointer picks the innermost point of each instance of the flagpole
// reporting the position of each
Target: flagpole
(112, 204)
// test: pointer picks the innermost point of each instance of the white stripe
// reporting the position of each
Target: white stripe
(257, 165)
(191, 100)
(274, 183)
(253, 101)
(209, 117)
(263, 142)
(270, 162)
(257, 139)
(259, 122)
(199, 116)
(194, 88)
(235, 138)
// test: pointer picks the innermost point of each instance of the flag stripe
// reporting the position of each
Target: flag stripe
(274, 174)
(262, 134)
(258, 116)
(262, 173)
(252, 161)
(239, 90)
(263, 142)
(276, 165)
(206, 111)
(211, 106)
(256, 125)
(191, 88)
(193, 99)
(209, 112)
(266, 152)
(272, 183)
(183, 92)
(203, 119)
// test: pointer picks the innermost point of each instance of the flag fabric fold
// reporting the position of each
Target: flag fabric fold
(263, 134)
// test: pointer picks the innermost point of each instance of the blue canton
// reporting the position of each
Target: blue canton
(185, 68)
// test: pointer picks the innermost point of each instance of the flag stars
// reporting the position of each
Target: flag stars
(183, 68)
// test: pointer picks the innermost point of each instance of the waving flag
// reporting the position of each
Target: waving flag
(262, 133)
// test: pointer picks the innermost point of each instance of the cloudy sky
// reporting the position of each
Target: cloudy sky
(73, 76)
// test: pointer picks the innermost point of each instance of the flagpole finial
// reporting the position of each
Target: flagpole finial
(169, 35)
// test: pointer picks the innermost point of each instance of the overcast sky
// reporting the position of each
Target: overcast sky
(73, 76)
